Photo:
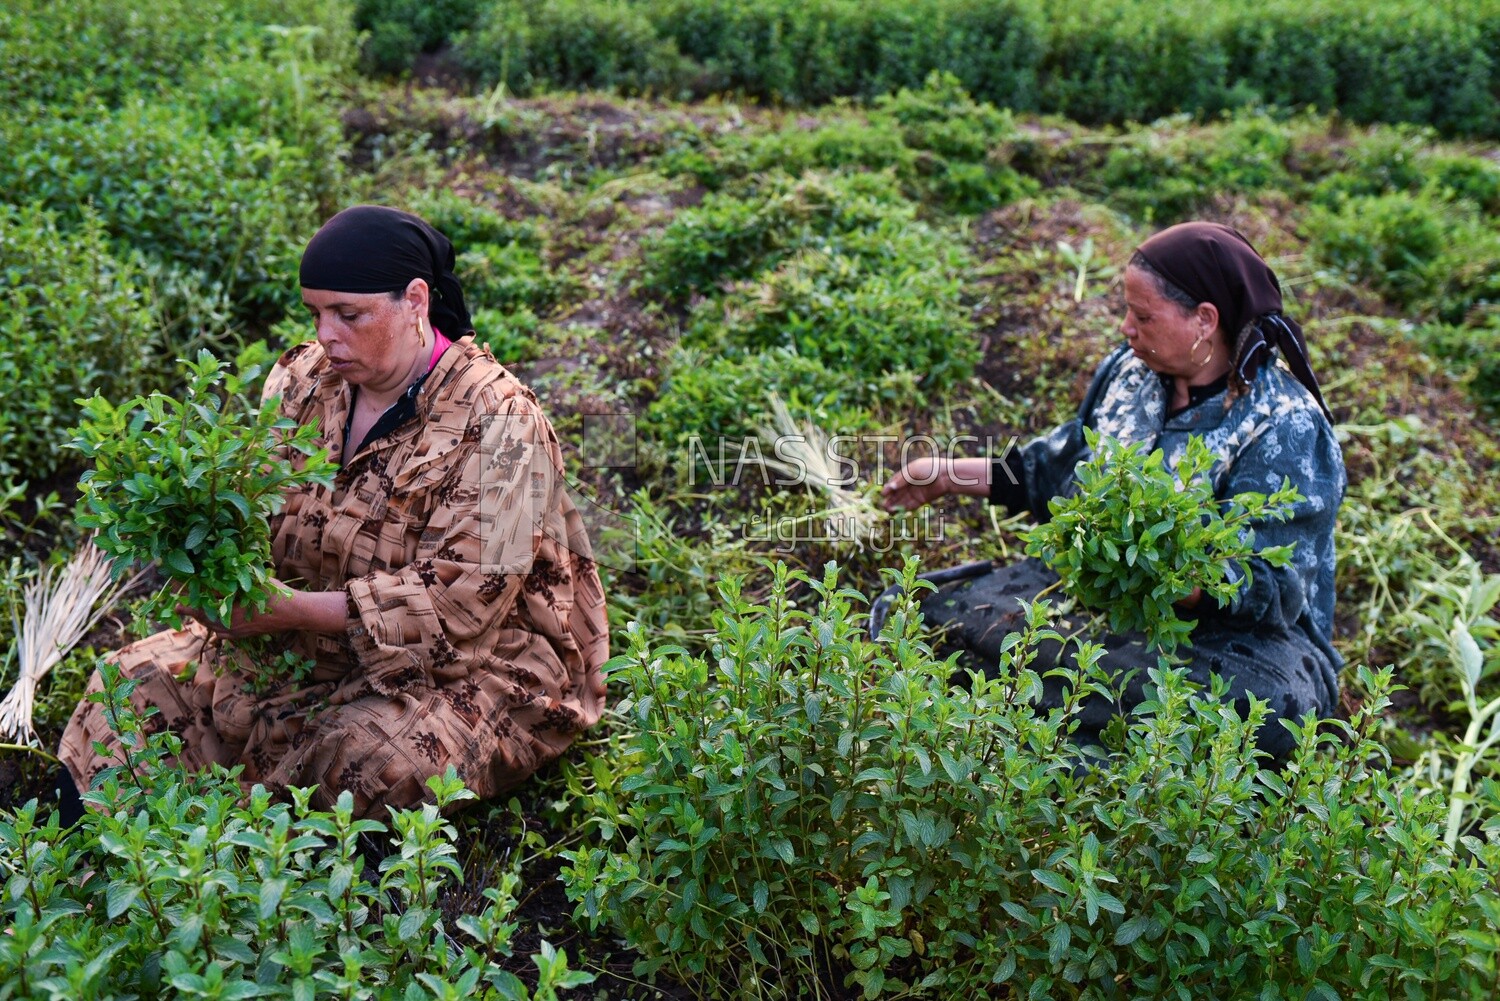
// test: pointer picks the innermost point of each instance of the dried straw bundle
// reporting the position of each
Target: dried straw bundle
(801, 450)
(62, 605)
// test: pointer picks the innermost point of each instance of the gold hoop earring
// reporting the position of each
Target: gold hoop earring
(1194, 350)
(421, 333)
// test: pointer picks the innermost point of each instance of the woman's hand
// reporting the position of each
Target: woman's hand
(287, 611)
(919, 482)
(925, 480)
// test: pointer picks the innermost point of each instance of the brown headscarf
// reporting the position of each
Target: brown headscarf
(1213, 263)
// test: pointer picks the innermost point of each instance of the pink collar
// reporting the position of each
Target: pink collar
(439, 345)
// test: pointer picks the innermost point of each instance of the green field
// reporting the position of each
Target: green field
(681, 211)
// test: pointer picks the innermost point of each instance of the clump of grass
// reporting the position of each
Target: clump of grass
(62, 604)
(804, 453)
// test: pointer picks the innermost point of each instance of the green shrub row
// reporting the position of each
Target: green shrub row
(77, 321)
(806, 806)
(1393, 60)
(1425, 251)
(181, 154)
(782, 50)
(399, 30)
(1388, 61)
(229, 210)
(106, 51)
(936, 139)
(825, 290)
(195, 887)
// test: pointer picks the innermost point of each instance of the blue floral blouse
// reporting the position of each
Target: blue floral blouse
(1274, 430)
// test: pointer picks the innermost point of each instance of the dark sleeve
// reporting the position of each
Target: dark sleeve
(1026, 479)
(1007, 487)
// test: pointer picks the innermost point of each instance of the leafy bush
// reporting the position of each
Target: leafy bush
(941, 117)
(577, 44)
(1167, 178)
(858, 293)
(935, 139)
(1386, 159)
(733, 236)
(510, 335)
(190, 487)
(78, 321)
(1400, 158)
(714, 395)
(505, 276)
(199, 134)
(190, 886)
(233, 210)
(1470, 178)
(469, 223)
(110, 50)
(1167, 527)
(959, 138)
(1419, 250)
(806, 807)
(872, 303)
(834, 145)
(280, 88)
(1472, 354)
(399, 29)
(1391, 241)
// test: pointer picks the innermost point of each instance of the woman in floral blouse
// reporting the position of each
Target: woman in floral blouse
(1203, 328)
(442, 587)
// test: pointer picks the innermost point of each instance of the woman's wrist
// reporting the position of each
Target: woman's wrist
(312, 611)
(969, 477)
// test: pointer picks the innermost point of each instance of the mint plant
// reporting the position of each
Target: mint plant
(1458, 626)
(1136, 537)
(177, 885)
(189, 485)
(800, 806)
(805, 810)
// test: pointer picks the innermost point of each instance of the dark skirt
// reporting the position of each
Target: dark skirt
(977, 606)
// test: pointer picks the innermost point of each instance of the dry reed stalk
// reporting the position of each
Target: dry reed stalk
(62, 605)
(801, 450)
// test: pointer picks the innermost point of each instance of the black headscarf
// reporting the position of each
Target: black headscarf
(371, 248)
(1213, 263)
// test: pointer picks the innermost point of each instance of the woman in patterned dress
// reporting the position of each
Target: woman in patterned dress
(441, 588)
(1203, 327)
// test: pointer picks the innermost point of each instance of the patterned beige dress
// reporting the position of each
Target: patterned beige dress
(476, 628)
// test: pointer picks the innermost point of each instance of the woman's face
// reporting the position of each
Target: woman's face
(371, 339)
(1168, 338)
